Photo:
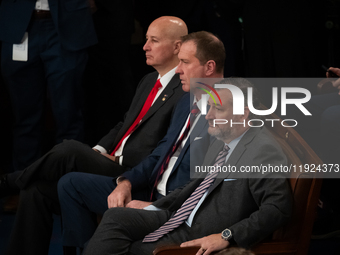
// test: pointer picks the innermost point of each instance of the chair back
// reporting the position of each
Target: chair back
(294, 238)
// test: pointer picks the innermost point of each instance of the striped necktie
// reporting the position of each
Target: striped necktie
(183, 213)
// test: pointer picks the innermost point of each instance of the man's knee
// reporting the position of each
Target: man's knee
(115, 214)
(118, 217)
(67, 148)
(69, 183)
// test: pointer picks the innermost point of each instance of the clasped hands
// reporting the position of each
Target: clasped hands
(113, 158)
(121, 197)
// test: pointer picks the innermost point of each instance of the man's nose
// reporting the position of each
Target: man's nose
(146, 46)
(178, 69)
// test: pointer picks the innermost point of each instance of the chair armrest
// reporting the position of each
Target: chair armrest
(275, 248)
(175, 249)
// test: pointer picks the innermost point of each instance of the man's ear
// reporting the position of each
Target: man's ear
(210, 67)
(177, 46)
(246, 113)
(245, 116)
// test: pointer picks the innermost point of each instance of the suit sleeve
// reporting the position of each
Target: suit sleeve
(140, 174)
(274, 199)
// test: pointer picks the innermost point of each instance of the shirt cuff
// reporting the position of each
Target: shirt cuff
(152, 208)
(121, 160)
(100, 148)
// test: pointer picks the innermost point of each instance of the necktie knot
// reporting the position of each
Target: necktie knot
(195, 110)
(158, 85)
(221, 157)
(226, 149)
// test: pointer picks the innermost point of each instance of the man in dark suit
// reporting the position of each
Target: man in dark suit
(167, 168)
(124, 147)
(44, 50)
(222, 208)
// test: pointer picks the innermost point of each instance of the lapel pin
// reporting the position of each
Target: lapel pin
(164, 97)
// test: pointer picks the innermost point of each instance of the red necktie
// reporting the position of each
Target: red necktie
(142, 113)
(193, 114)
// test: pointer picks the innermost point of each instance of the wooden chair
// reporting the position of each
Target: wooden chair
(294, 238)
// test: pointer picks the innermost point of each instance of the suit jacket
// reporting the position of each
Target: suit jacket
(72, 19)
(143, 176)
(153, 126)
(252, 208)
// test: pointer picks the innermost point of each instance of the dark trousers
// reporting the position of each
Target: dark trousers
(122, 229)
(82, 197)
(68, 156)
(49, 69)
(33, 224)
(39, 198)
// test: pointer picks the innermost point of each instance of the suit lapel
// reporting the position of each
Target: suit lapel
(199, 128)
(236, 154)
(163, 97)
(180, 122)
(135, 108)
(149, 83)
(210, 158)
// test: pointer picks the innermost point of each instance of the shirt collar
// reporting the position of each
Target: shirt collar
(166, 78)
(232, 145)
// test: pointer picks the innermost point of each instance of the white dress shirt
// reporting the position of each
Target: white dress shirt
(161, 187)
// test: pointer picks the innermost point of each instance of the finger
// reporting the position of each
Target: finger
(195, 242)
(208, 251)
(120, 202)
(130, 204)
(114, 203)
(109, 204)
(330, 69)
(200, 251)
(185, 244)
(335, 70)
